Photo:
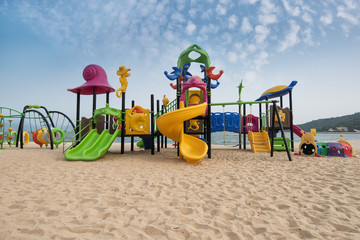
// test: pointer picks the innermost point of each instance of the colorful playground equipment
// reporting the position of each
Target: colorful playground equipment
(193, 109)
(187, 120)
(38, 124)
(210, 122)
(310, 147)
(277, 91)
(96, 83)
(51, 127)
(259, 141)
(233, 122)
(8, 118)
(95, 145)
(285, 114)
(171, 125)
(137, 121)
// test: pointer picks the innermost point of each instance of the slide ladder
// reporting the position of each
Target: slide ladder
(259, 141)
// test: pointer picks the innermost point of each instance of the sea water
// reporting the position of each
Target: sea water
(232, 139)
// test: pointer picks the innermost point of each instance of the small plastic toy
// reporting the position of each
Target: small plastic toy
(123, 72)
(307, 145)
(165, 100)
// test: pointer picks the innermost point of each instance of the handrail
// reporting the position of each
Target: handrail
(74, 142)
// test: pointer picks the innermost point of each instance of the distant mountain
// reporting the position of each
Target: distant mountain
(348, 123)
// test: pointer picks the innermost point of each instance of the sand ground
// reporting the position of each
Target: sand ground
(236, 194)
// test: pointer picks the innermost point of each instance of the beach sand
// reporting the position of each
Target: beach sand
(236, 194)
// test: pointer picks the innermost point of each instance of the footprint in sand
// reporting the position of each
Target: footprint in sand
(186, 211)
(86, 200)
(153, 231)
(81, 230)
(52, 213)
(282, 206)
(38, 232)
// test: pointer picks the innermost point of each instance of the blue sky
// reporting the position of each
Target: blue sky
(45, 46)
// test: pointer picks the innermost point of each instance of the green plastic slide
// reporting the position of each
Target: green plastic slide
(92, 146)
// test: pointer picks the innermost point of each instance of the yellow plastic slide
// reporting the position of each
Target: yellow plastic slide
(259, 141)
(172, 126)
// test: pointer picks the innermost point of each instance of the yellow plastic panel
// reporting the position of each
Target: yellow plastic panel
(137, 121)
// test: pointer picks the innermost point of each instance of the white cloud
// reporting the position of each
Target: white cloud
(258, 24)
(192, 13)
(233, 20)
(343, 13)
(292, 10)
(267, 13)
(238, 45)
(307, 37)
(210, 29)
(261, 59)
(250, 76)
(225, 1)
(291, 38)
(351, 4)
(307, 18)
(246, 26)
(206, 14)
(190, 28)
(251, 48)
(226, 38)
(346, 29)
(220, 9)
(180, 6)
(232, 57)
(261, 33)
(326, 19)
(267, 19)
(178, 17)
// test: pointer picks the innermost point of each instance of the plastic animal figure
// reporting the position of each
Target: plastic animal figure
(165, 101)
(194, 125)
(123, 72)
(240, 89)
(307, 145)
(177, 74)
(174, 74)
(210, 74)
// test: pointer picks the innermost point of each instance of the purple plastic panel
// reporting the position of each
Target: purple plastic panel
(251, 123)
(335, 149)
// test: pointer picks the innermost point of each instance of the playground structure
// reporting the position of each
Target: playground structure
(187, 120)
(202, 124)
(46, 131)
(137, 121)
(8, 119)
(47, 128)
(310, 147)
(183, 120)
(286, 114)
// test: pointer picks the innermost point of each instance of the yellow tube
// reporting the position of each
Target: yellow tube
(25, 138)
(41, 139)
